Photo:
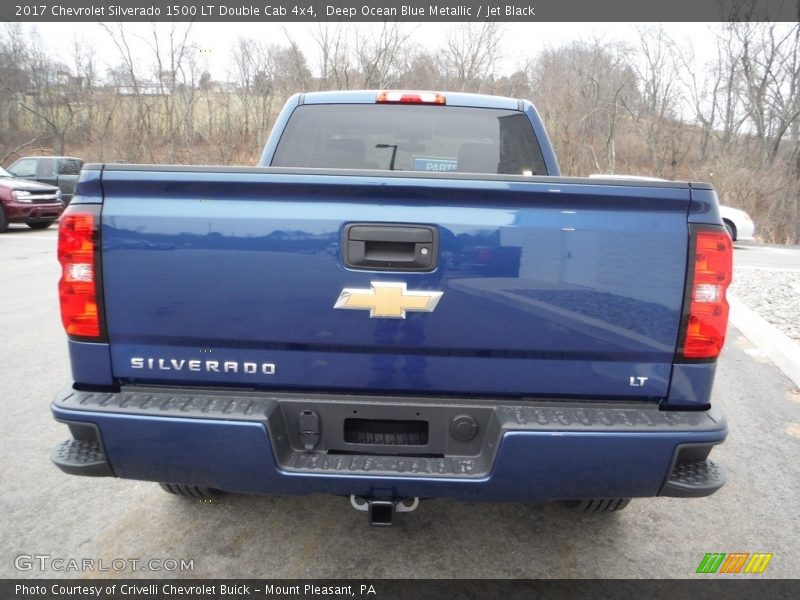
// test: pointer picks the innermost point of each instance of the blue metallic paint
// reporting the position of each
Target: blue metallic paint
(550, 288)
(704, 208)
(89, 189)
(544, 140)
(277, 129)
(691, 385)
(348, 369)
(91, 363)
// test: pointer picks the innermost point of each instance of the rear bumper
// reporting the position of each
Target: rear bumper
(534, 451)
(19, 212)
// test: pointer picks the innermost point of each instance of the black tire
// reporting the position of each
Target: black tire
(40, 224)
(3, 221)
(597, 505)
(731, 229)
(190, 491)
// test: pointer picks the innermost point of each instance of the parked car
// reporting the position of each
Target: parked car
(37, 205)
(738, 223)
(60, 171)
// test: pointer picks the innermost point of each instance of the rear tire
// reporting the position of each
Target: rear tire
(597, 505)
(190, 491)
(40, 224)
(731, 229)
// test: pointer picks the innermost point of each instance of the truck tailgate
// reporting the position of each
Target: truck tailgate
(229, 277)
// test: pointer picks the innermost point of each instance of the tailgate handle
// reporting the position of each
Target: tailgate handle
(378, 247)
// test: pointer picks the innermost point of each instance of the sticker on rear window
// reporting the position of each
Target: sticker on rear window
(423, 163)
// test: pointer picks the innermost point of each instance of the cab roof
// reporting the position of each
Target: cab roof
(453, 99)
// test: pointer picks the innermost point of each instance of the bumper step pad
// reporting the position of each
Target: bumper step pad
(318, 462)
(694, 479)
(81, 457)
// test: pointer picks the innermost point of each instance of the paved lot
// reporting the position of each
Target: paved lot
(784, 258)
(45, 512)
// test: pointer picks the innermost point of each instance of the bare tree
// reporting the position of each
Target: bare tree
(583, 90)
(771, 73)
(336, 61)
(127, 80)
(290, 68)
(14, 76)
(471, 53)
(659, 115)
(50, 95)
(378, 54)
(244, 64)
(421, 69)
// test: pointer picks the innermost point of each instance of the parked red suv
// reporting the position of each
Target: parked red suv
(38, 205)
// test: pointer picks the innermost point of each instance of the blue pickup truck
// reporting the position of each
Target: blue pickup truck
(405, 300)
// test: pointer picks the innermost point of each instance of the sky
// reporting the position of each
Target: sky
(521, 41)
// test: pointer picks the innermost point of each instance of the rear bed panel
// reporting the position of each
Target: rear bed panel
(550, 287)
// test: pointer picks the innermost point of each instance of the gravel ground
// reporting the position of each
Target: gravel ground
(774, 295)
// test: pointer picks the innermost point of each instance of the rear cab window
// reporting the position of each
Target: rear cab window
(46, 167)
(69, 166)
(410, 138)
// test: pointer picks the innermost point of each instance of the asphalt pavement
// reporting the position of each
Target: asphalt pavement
(757, 256)
(44, 512)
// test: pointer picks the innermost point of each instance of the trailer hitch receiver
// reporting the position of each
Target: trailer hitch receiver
(381, 511)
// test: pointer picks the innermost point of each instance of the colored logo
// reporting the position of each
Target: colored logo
(734, 562)
(388, 300)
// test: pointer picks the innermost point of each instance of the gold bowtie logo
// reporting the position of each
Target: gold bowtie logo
(388, 300)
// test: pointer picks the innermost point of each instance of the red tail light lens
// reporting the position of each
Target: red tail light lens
(77, 288)
(396, 97)
(708, 309)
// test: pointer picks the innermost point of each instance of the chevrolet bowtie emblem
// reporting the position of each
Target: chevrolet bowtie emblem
(388, 300)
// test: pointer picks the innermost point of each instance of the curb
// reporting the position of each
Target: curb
(779, 347)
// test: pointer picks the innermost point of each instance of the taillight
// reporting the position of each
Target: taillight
(706, 318)
(397, 97)
(77, 288)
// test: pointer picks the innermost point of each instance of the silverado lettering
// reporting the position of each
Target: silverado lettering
(210, 366)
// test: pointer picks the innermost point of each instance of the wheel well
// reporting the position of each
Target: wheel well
(732, 226)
